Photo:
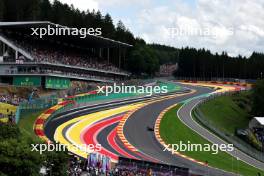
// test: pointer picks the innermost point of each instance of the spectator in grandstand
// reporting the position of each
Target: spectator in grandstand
(47, 54)
(14, 100)
(43, 71)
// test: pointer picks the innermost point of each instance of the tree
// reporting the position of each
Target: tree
(120, 31)
(192, 62)
(145, 59)
(17, 157)
(2, 9)
(108, 26)
(8, 131)
(45, 10)
(57, 162)
(258, 101)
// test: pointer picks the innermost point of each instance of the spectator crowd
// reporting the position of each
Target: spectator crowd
(9, 99)
(71, 73)
(73, 59)
(63, 55)
(259, 133)
(99, 165)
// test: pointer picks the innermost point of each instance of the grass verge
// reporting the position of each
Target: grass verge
(172, 131)
(26, 125)
(227, 113)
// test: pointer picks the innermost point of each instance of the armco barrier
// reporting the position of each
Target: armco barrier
(78, 100)
(247, 85)
(238, 143)
(39, 105)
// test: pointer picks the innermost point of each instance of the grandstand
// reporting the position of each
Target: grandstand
(53, 62)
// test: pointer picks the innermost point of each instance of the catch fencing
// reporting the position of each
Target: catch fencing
(233, 139)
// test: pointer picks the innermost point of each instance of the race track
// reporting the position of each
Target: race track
(186, 117)
(135, 130)
(98, 124)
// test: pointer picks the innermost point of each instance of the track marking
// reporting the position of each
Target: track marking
(74, 133)
(120, 127)
(91, 134)
(162, 142)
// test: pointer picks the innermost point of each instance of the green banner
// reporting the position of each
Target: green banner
(57, 83)
(27, 81)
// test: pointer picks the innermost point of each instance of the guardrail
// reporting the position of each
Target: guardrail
(238, 143)
(83, 99)
(38, 105)
(41, 104)
(247, 85)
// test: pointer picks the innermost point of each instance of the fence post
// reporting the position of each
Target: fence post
(17, 114)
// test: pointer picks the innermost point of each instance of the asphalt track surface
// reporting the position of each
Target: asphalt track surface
(103, 140)
(52, 124)
(135, 130)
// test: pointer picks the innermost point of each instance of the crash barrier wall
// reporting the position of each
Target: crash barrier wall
(94, 96)
(55, 107)
(217, 79)
(154, 166)
(246, 85)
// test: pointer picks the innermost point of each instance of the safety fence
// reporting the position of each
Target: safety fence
(26, 108)
(233, 139)
(95, 97)
(247, 85)
(217, 79)
(42, 104)
(39, 105)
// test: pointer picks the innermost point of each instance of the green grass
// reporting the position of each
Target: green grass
(26, 125)
(227, 113)
(172, 131)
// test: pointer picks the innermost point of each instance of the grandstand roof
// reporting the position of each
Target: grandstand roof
(89, 41)
(260, 120)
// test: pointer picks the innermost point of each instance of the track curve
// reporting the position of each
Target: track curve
(185, 116)
(146, 142)
(136, 132)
